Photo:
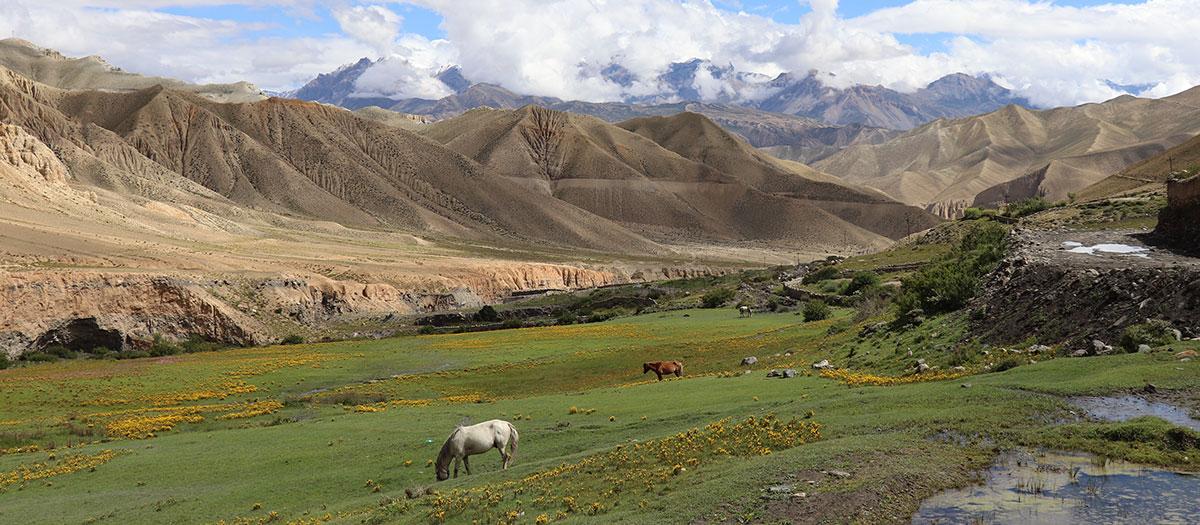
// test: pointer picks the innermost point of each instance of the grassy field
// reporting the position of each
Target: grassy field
(337, 432)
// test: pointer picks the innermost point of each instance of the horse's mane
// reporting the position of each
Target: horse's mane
(444, 455)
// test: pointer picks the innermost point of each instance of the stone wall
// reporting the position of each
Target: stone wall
(1179, 222)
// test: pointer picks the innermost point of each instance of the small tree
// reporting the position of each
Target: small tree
(861, 281)
(487, 314)
(716, 298)
(817, 311)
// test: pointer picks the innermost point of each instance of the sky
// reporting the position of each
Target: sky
(1060, 52)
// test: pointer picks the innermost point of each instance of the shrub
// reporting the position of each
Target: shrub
(39, 357)
(292, 340)
(487, 314)
(872, 302)
(197, 343)
(833, 286)
(161, 347)
(861, 281)
(817, 311)
(823, 273)
(512, 323)
(971, 214)
(1006, 364)
(427, 330)
(1156, 332)
(61, 352)
(566, 318)
(1027, 207)
(716, 298)
(4, 361)
(947, 284)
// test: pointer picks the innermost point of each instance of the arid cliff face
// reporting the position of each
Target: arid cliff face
(83, 310)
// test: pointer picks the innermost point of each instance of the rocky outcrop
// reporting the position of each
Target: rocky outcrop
(1053, 295)
(66, 308)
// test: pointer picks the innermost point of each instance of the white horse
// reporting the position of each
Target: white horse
(477, 439)
(745, 311)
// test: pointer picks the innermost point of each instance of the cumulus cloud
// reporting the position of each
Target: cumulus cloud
(189, 48)
(1053, 54)
(374, 25)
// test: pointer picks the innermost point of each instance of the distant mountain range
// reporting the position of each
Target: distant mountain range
(807, 96)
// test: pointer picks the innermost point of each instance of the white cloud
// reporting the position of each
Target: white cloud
(1053, 54)
(374, 25)
(189, 48)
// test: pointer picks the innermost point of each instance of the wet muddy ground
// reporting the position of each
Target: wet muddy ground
(1060, 488)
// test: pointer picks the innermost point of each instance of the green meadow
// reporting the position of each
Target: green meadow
(342, 432)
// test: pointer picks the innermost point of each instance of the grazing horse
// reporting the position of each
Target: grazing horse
(477, 439)
(745, 311)
(662, 368)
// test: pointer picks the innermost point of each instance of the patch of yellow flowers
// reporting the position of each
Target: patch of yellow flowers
(65, 465)
(260, 408)
(863, 379)
(144, 427)
(600, 482)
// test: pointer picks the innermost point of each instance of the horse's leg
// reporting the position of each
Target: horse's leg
(503, 457)
(456, 466)
(467, 464)
(659, 375)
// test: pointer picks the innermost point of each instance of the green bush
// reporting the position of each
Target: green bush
(817, 311)
(1027, 207)
(4, 361)
(292, 340)
(427, 330)
(512, 323)
(39, 357)
(948, 283)
(61, 352)
(1155, 333)
(161, 347)
(971, 214)
(861, 281)
(716, 298)
(823, 273)
(1006, 364)
(197, 343)
(487, 314)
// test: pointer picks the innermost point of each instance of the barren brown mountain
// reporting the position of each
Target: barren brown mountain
(52, 68)
(1149, 174)
(1016, 153)
(725, 193)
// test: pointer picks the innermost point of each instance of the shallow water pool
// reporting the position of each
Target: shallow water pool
(1061, 488)
(1124, 408)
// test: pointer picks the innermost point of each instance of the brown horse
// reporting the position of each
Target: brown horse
(662, 368)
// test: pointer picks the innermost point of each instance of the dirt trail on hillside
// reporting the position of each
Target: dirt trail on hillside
(1052, 289)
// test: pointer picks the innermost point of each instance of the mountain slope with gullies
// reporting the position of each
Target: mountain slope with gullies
(1016, 153)
(629, 178)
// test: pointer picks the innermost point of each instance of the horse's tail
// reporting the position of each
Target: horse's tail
(514, 437)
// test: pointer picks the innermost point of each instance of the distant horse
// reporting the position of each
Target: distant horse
(745, 311)
(477, 439)
(661, 368)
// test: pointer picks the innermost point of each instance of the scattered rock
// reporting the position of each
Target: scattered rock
(1144, 349)
(966, 385)
(781, 489)
(824, 364)
(747, 361)
(800, 495)
(1150, 388)
(959, 369)
(839, 473)
(1178, 335)
(1079, 353)
(789, 373)
(774, 373)
(922, 367)
(1186, 354)
(1100, 347)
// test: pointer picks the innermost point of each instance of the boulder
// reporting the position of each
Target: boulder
(824, 364)
(1079, 353)
(1100, 347)
(1144, 348)
(789, 373)
(747, 361)
(774, 373)
(922, 367)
